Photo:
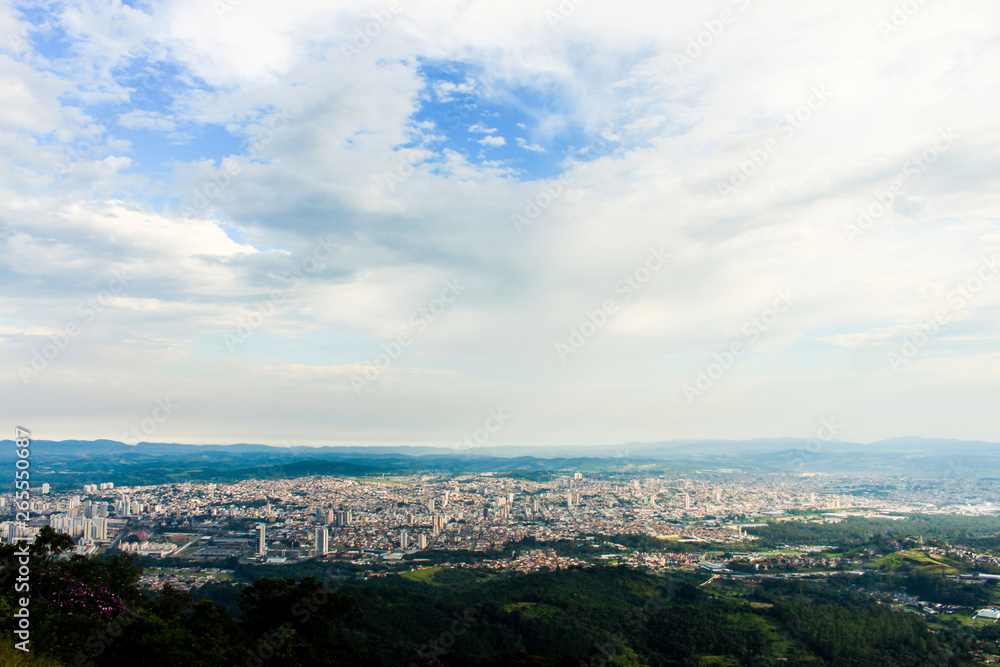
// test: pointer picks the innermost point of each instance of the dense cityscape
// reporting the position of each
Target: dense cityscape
(923, 550)
(382, 519)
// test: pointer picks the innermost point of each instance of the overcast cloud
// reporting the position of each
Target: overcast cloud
(373, 222)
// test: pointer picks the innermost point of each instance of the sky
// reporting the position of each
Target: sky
(531, 222)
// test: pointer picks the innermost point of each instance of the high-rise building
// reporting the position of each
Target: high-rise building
(322, 541)
(261, 539)
(536, 504)
(569, 499)
(687, 500)
(421, 541)
(717, 496)
(100, 528)
(437, 522)
(45, 487)
(430, 506)
(404, 540)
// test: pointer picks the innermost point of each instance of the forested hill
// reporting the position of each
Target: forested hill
(72, 463)
(91, 611)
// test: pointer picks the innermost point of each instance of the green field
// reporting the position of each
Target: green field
(424, 575)
(917, 561)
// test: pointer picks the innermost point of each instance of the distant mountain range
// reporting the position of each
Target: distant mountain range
(664, 450)
(674, 449)
(68, 462)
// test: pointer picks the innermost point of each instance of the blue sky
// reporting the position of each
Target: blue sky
(481, 207)
(511, 127)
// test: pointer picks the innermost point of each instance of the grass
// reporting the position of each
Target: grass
(964, 619)
(424, 575)
(12, 657)
(919, 561)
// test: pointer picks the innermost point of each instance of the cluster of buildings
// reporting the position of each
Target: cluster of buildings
(183, 579)
(365, 519)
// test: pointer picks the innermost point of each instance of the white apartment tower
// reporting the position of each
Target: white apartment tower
(322, 541)
(261, 539)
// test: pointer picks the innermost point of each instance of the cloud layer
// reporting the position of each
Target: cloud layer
(256, 211)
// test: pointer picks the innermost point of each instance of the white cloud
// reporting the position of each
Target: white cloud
(529, 147)
(146, 120)
(654, 142)
(493, 141)
(447, 91)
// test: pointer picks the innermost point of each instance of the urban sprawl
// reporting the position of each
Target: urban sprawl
(366, 521)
